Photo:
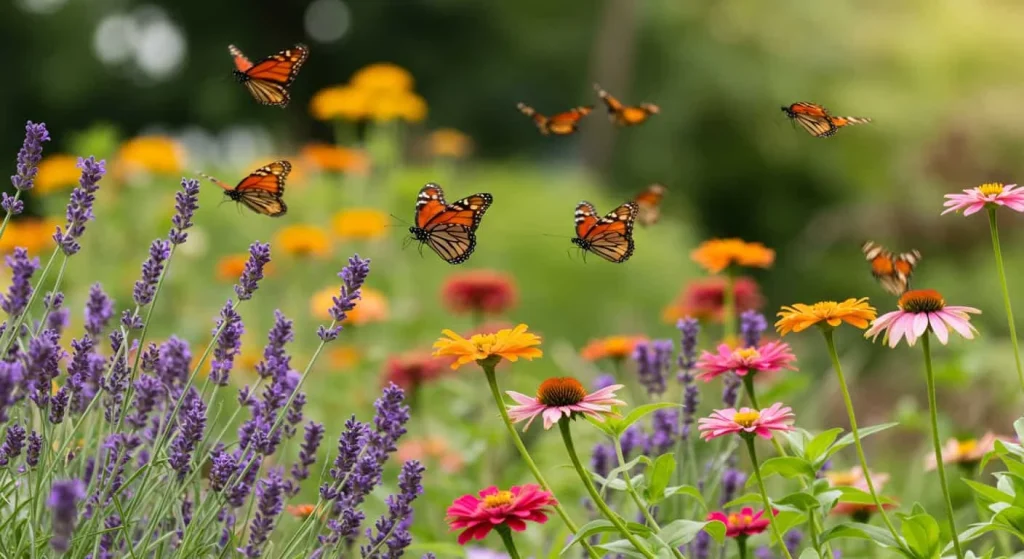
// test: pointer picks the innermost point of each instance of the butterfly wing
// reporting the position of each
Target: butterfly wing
(613, 104)
(540, 120)
(649, 202)
(268, 81)
(263, 189)
(241, 62)
(840, 121)
(893, 272)
(610, 237)
(566, 123)
(450, 229)
(585, 219)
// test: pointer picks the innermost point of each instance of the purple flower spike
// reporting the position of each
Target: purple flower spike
(276, 361)
(57, 319)
(11, 376)
(22, 267)
(752, 325)
(30, 154)
(604, 381)
(35, 446)
(665, 431)
(185, 206)
(653, 360)
(393, 527)
(688, 328)
(270, 502)
(259, 256)
(352, 277)
(63, 505)
(307, 454)
(98, 311)
(10, 204)
(191, 424)
(228, 344)
(59, 404)
(14, 442)
(79, 210)
(145, 287)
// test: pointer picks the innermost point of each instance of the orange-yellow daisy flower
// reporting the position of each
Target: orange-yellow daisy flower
(344, 357)
(150, 154)
(509, 344)
(230, 267)
(57, 172)
(612, 347)
(449, 142)
(404, 105)
(360, 223)
(337, 159)
(304, 240)
(827, 314)
(382, 76)
(967, 452)
(716, 255)
(372, 307)
(34, 234)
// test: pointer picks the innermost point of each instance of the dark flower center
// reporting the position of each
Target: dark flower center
(922, 300)
(561, 391)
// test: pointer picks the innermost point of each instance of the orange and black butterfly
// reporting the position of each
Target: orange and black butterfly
(626, 115)
(649, 202)
(816, 120)
(892, 271)
(449, 229)
(610, 237)
(561, 124)
(269, 79)
(262, 190)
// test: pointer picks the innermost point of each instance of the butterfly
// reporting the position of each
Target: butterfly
(892, 271)
(561, 124)
(610, 237)
(262, 190)
(449, 229)
(649, 202)
(816, 120)
(625, 115)
(268, 80)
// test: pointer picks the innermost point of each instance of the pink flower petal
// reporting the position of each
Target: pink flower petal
(939, 327)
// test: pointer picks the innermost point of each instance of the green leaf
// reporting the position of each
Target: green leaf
(681, 532)
(800, 500)
(859, 531)
(847, 439)
(689, 491)
(747, 499)
(798, 439)
(622, 547)
(716, 530)
(589, 529)
(809, 553)
(660, 476)
(786, 466)
(921, 533)
(620, 426)
(988, 494)
(827, 499)
(1018, 427)
(820, 444)
(860, 497)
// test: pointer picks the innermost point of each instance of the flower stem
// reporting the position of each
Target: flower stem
(729, 305)
(506, 538)
(933, 412)
(631, 489)
(768, 510)
(741, 545)
(7, 217)
(563, 426)
(1006, 293)
(492, 381)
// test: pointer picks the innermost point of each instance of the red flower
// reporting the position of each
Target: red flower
(412, 369)
(743, 523)
(704, 299)
(479, 291)
(476, 517)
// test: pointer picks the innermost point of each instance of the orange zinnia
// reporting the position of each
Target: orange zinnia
(509, 344)
(334, 158)
(716, 255)
(360, 223)
(230, 267)
(827, 314)
(57, 172)
(612, 347)
(304, 240)
(449, 142)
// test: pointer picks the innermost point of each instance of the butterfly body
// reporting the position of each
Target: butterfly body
(649, 203)
(626, 115)
(611, 236)
(561, 124)
(262, 190)
(817, 121)
(269, 79)
(893, 271)
(448, 229)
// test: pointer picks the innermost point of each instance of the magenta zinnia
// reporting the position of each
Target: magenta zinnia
(746, 421)
(769, 357)
(974, 199)
(563, 397)
(743, 523)
(921, 309)
(476, 517)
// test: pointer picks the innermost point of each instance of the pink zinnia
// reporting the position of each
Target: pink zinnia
(476, 517)
(919, 310)
(743, 523)
(770, 357)
(563, 397)
(746, 421)
(974, 199)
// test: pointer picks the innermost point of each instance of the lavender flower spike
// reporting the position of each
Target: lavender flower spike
(186, 202)
(689, 328)
(13, 443)
(192, 422)
(79, 210)
(98, 311)
(145, 287)
(259, 256)
(653, 359)
(29, 156)
(393, 527)
(270, 501)
(63, 504)
(22, 268)
(228, 344)
(307, 454)
(352, 277)
(35, 446)
(752, 325)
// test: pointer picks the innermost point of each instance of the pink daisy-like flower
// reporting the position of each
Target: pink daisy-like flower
(743, 523)
(966, 452)
(565, 396)
(769, 357)
(476, 517)
(974, 199)
(921, 309)
(746, 421)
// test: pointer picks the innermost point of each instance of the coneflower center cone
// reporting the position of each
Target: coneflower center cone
(921, 300)
(561, 391)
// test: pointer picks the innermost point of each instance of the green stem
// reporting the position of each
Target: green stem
(506, 538)
(636, 497)
(741, 545)
(7, 218)
(830, 341)
(768, 510)
(563, 426)
(729, 305)
(492, 381)
(934, 416)
(1006, 293)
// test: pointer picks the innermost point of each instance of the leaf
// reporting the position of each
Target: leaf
(798, 439)
(1018, 427)
(859, 531)
(786, 466)
(716, 529)
(681, 532)
(860, 497)
(622, 547)
(638, 413)
(589, 529)
(921, 533)
(987, 493)
(809, 553)
(847, 439)
(689, 491)
(800, 500)
(820, 444)
(661, 475)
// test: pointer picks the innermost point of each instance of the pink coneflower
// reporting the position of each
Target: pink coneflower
(769, 357)
(743, 523)
(974, 199)
(565, 396)
(746, 421)
(476, 517)
(919, 310)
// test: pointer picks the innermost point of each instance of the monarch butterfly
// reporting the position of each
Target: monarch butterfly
(816, 120)
(892, 271)
(610, 237)
(561, 124)
(268, 81)
(449, 229)
(625, 115)
(649, 202)
(262, 190)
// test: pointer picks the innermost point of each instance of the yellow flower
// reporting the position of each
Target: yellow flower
(344, 357)
(33, 234)
(449, 142)
(509, 344)
(360, 223)
(382, 76)
(855, 312)
(716, 255)
(304, 240)
(333, 158)
(57, 172)
(371, 307)
(612, 347)
(404, 105)
(340, 102)
(150, 154)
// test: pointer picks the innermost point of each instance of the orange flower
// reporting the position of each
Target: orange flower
(382, 77)
(230, 267)
(449, 142)
(327, 157)
(360, 223)
(404, 105)
(827, 314)
(35, 235)
(304, 240)
(343, 102)
(718, 254)
(704, 299)
(343, 357)
(431, 448)
(412, 369)
(151, 154)
(479, 291)
(301, 511)
(372, 306)
(612, 347)
(508, 344)
(966, 452)
(57, 172)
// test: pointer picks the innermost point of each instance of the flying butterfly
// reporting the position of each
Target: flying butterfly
(561, 124)
(262, 190)
(892, 271)
(816, 120)
(626, 115)
(649, 202)
(449, 229)
(269, 79)
(610, 237)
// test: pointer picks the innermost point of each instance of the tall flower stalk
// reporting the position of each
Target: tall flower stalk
(937, 443)
(1001, 270)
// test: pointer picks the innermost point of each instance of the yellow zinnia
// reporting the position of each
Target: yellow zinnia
(382, 76)
(716, 255)
(343, 102)
(827, 314)
(360, 223)
(333, 158)
(508, 343)
(404, 105)
(57, 172)
(372, 306)
(151, 154)
(449, 142)
(304, 240)
(34, 234)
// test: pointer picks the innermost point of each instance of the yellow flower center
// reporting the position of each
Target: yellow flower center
(967, 447)
(922, 300)
(747, 418)
(561, 391)
(842, 479)
(748, 353)
(499, 499)
(991, 189)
